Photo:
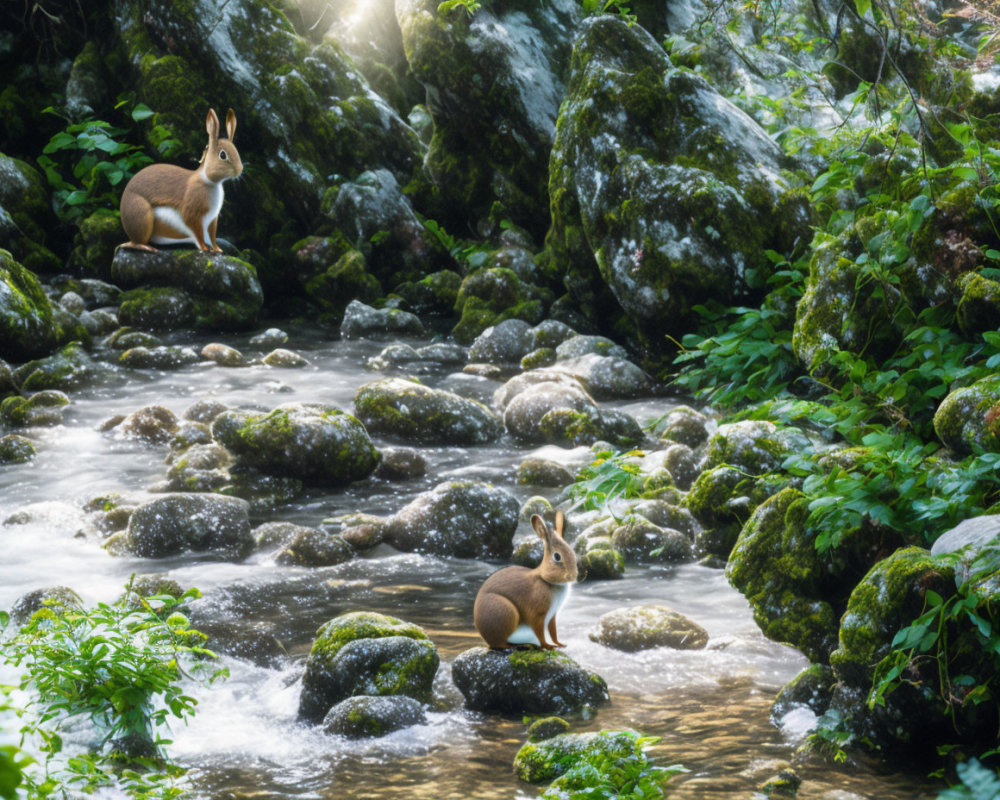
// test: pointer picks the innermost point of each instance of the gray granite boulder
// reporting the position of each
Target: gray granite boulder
(648, 626)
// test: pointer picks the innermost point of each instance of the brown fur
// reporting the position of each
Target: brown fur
(187, 191)
(515, 595)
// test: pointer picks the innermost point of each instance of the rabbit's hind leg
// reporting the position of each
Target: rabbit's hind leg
(137, 220)
(496, 620)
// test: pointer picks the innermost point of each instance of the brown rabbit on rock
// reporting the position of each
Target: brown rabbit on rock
(166, 204)
(516, 605)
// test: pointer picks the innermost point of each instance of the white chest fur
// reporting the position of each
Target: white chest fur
(523, 634)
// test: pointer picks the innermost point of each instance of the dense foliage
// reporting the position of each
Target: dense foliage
(121, 667)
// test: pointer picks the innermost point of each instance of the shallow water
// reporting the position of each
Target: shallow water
(710, 707)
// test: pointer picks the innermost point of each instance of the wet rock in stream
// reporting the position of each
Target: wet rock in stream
(645, 627)
(419, 413)
(364, 653)
(364, 716)
(526, 682)
(464, 519)
(177, 523)
(315, 444)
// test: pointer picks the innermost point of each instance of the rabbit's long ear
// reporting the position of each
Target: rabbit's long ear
(541, 528)
(231, 124)
(560, 522)
(212, 125)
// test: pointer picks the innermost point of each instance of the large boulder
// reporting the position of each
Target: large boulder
(526, 682)
(494, 82)
(26, 218)
(915, 717)
(663, 193)
(414, 412)
(363, 653)
(177, 523)
(30, 325)
(466, 519)
(363, 321)
(315, 444)
(776, 567)
(175, 289)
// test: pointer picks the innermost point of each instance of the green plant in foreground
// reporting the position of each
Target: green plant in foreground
(977, 783)
(120, 666)
(601, 774)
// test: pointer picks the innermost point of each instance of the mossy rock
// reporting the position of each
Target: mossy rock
(433, 294)
(319, 445)
(537, 762)
(547, 728)
(534, 471)
(495, 100)
(488, 297)
(776, 567)
(54, 597)
(968, 419)
(30, 326)
(641, 541)
(691, 188)
(754, 446)
(15, 449)
(94, 243)
(167, 290)
(646, 627)
(44, 409)
(364, 653)
(914, 718)
(69, 368)
(315, 548)
(601, 564)
(811, 688)
(526, 682)
(26, 216)
(414, 412)
(362, 321)
(365, 717)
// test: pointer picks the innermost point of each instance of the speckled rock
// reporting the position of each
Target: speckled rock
(756, 446)
(467, 519)
(55, 596)
(526, 682)
(15, 449)
(401, 464)
(645, 627)
(640, 541)
(285, 359)
(504, 343)
(580, 345)
(534, 471)
(415, 412)
(176, 523)
(314, 548)
(199, 468)
(364, 716)
(560, 411)
(170, 290)
(314, 444)
(223, 355)
(968, 419)
(362, 321)
(662, 190)
(150, 424)
(685, 426)
(607, 377)
(363, 653)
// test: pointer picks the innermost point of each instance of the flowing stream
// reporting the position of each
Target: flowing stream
(710, 707)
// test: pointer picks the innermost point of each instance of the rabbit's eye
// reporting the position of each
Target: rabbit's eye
(557, 556)
(223, 155)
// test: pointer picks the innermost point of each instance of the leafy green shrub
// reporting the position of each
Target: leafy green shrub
(120, 666)
(609, 477)
(977, 783)
(86, 162)
(598, 772)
